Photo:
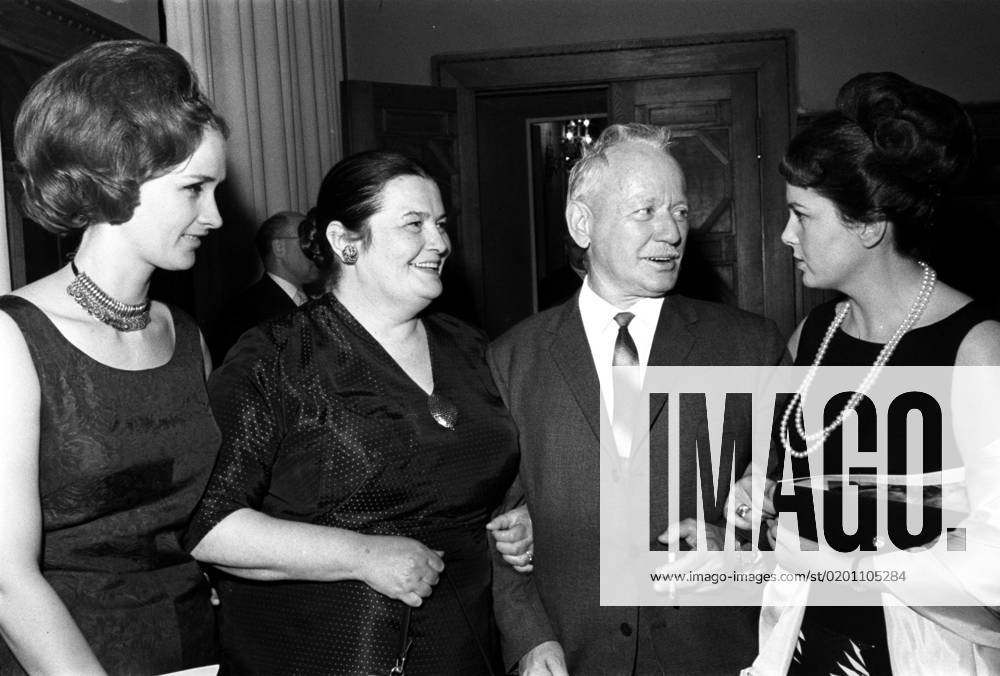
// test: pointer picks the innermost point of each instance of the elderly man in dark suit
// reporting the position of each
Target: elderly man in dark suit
(627, 207)
(278, 291)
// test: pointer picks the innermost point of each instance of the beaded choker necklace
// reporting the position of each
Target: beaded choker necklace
(116, 314)
(816, 439)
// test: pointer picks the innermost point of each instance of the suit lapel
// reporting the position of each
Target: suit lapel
(277, 295)
(672, 341)
(571, 353)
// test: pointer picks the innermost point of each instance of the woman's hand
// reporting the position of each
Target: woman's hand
(400, 568)
(741, 502)
(513, 536)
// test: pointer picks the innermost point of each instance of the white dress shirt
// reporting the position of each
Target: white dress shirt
(602, 330)
(297, 296)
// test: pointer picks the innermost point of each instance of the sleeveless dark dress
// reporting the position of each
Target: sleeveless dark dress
(320, 425)
(829, 632)
(124, 457)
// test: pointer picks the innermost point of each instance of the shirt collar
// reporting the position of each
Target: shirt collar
(598, 314)
(286, 286)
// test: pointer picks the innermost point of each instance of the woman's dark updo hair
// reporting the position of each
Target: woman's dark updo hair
(351, 193)
(889, 153)
(97, 126)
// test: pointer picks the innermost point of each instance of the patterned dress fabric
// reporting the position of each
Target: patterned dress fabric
(321, 426)
(124, 457)
(852, 640)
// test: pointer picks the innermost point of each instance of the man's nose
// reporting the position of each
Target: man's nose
(668, 228)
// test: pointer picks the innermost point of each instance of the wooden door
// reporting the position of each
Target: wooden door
(713, 124)
(754, 80)
(419, 122)
(512, 234)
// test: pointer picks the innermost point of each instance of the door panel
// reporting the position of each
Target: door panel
(511, 234)
(713, 136)
(763, 64)
(419, 122)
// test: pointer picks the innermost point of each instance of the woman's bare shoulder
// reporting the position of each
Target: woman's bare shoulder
(981, 345)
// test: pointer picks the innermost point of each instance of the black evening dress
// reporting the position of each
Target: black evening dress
(124, 457)
(835, 639)
(320, 425)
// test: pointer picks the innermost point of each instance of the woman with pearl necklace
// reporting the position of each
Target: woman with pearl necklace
(864, 190)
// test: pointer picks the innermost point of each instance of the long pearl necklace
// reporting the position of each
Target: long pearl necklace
(816, 439)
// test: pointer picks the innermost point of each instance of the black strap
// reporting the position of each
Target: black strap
(468, 621)
(404, 643)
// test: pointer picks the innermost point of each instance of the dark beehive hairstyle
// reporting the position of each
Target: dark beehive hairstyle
(889, 153)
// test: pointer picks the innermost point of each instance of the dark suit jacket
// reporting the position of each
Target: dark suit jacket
(261, 301)
(545, 373)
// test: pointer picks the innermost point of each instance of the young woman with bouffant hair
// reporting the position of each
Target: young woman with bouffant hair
(109, 438)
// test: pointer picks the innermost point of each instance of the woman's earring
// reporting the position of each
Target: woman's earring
(349, 254)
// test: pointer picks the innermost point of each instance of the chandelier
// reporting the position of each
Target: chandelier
(575, 135)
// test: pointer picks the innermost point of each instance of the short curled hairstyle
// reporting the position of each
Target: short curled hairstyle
(889, 153)
(351, 193)
(98, 125)
(595, 156)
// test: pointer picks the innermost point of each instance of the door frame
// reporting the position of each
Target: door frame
(769, 55)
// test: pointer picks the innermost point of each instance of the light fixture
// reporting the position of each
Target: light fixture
(575, 135)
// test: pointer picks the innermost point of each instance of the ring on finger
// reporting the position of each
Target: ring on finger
(531, 556)
(742, 511)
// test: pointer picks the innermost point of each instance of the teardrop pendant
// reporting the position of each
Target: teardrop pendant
(444, 412)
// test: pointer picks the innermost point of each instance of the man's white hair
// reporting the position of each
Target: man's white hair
(595, 156)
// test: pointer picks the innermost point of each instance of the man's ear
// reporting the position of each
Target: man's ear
(871, 234)
(578, 220)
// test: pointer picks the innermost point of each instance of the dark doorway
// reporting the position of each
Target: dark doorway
(516, 235)
(730, 99)
(556, 146)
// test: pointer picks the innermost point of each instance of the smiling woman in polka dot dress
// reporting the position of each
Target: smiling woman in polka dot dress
(365, 448)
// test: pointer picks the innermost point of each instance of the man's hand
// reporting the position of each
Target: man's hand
(513, 536)
(545, 659)
(687, 530)
(699, 560)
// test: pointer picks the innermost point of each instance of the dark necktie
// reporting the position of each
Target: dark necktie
(626, 385)
(625, 352)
